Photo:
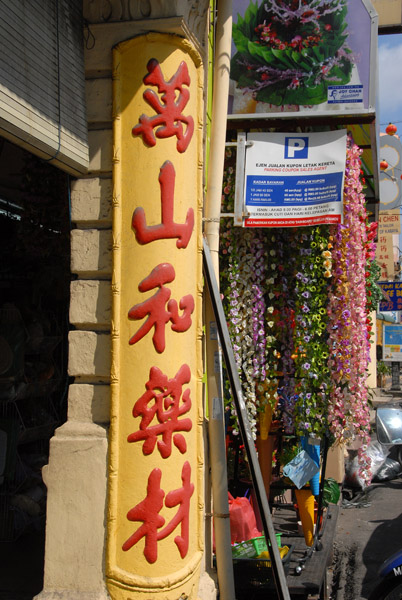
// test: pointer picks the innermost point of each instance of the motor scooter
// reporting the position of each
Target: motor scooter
(389, 433)
(389, 429)
(390, 585)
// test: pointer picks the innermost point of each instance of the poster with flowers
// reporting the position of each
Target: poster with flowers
(302, 55)
(298, 304)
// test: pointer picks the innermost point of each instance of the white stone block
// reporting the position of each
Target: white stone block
(91, 201)
(99, 100)
(91, 253)
(100, 150)
(89, 355)
(90, 304)
(89, 403)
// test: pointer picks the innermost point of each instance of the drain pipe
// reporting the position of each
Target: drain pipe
(217, 448)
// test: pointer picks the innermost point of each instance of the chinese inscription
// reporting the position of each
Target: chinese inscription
(168, 228)
(169, 119)
(164, 409)
(148, 510)
(162, 400)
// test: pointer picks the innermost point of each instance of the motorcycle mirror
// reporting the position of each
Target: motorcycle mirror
(389, 424)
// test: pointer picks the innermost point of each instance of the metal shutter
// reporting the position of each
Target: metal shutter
(42, 85)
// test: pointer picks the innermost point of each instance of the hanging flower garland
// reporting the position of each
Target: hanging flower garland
(286, 250)
(312, 269)
(296, 303)
(245, 262)
(349, 338)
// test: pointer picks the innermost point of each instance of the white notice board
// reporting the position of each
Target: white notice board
(294, 180)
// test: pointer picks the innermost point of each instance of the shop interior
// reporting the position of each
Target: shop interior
(34, 297)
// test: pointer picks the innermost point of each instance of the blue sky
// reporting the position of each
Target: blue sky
(389, 107)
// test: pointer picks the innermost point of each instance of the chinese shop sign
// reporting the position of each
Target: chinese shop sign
(294, 180)
(385, 255)
(389, 222)
(156, 495)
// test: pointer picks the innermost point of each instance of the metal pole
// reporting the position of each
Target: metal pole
(212, 210)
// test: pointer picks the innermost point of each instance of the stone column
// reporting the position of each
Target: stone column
(76, 475)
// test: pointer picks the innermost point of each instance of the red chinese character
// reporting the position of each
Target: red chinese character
(165, 396)
(169, 118)
(148, 510)
(168, 228)
(154, 307)
(181, 498)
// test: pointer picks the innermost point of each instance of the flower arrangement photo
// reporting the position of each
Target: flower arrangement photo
(289, 51)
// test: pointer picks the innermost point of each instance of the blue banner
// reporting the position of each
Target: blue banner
(392, 296)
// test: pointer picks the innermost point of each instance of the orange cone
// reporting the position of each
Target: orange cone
(305, 502)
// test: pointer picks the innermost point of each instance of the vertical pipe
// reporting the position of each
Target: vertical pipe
(218, 129)
(211, 230)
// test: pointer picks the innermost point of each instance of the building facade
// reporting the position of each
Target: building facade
(73, 123)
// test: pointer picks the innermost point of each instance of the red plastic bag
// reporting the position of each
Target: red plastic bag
(243, 525)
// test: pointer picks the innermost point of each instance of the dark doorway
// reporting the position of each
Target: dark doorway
(34, 297)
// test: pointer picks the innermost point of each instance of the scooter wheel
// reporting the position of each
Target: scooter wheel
(389, 589)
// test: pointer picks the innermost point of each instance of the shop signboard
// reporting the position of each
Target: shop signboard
(389, 222)
(303, 57)
(294, 180)
(385, 255)
(392, 291)
(392, 343)
(155, 526)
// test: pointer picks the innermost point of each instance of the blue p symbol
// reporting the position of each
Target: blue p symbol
(296, 147)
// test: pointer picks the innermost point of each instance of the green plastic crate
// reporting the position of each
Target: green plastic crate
(252, 548)
(244, 550)
(260, 545)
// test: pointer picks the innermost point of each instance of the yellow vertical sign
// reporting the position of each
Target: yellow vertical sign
(385, 255)
(155, 515)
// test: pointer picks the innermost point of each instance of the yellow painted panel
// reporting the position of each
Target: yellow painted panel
(155, 513)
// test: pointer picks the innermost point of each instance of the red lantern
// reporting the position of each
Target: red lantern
(391, 129)
(383, 165)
